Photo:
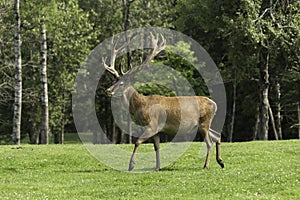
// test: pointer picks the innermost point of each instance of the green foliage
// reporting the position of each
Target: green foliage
(236, 33)
(69, 40)
(153, 89)
(254, 170)
(6, 69)
(181, 58)
(172, 74)
(239, 34)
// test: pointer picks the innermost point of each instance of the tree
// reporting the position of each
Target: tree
(44, 131)
(123, 15)
(277, 31)
(258, 39)
(264, 104)
(254, 43)
(7, 71)
(18, 77)
(69, 39)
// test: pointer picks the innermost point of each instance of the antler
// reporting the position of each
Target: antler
(157, 47)
(158, 43)
(113, 55)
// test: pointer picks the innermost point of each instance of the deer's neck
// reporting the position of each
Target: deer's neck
(129, 94)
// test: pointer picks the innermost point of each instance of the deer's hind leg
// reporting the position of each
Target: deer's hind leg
(209, 145)
(156, 148)
(218, 154)
(216, 137)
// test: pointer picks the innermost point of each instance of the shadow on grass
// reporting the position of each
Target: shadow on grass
(145, 170)
(171, 168)
(87, 171)
(9, 169)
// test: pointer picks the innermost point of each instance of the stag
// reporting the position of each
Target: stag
(161, 114)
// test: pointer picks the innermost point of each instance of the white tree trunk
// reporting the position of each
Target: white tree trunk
(18, 77)
(273, 122)
(44, 128)
(278, 106)
(264, 101)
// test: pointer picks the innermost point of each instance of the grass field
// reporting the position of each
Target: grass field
(253, 170)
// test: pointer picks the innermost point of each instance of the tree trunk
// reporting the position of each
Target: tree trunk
(62, 130)
(16, 136)
(113, 132)
(122, 137)
(264, 100)
(56, 137)
(44, 129)
(105, 139)
(278, 108)
(273, 122)
(126, 24)
(256, 127)
(96, 137)
(129, 129)
(298, 108)
(63, 119)
(126, 13)
(231, 125)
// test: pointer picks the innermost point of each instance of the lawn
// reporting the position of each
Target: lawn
(253, 170)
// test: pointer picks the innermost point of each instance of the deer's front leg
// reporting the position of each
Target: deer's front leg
(149, 132)
(157, 121)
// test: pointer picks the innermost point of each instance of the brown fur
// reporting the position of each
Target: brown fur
(139, 107)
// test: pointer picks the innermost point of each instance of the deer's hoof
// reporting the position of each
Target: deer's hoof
(131, 166)
(221, 163)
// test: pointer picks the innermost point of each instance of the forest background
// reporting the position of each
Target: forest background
(255, 45)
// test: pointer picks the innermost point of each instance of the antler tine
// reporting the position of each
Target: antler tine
(163, 44)
(156, 45)
(113, 56)
(115, 45)
(122, 72)
(111, 69)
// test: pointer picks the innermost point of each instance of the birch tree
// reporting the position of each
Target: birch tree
(58, 38)
(264, 104)
(44, 130)
(18, 76)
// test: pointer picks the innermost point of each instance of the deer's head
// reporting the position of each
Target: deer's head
(117, 88)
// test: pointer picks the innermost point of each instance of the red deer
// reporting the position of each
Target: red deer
(160, 114)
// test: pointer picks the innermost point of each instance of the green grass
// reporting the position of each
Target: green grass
(253, 170)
